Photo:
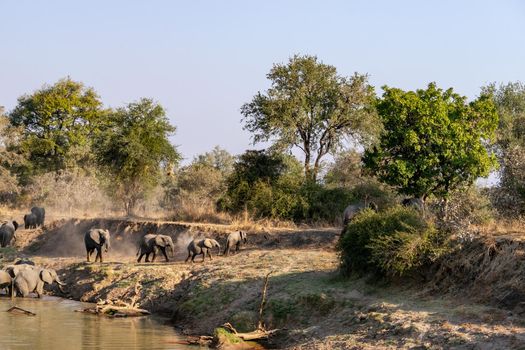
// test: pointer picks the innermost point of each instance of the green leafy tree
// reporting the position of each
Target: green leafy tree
(58, 123)
(311, 107)
(134, 148)
(217, 158)
(267, 184)
(434, 142)
(509, 98)
(10, 160)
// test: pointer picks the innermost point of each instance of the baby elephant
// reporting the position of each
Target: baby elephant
(151, 242)
(5, 281)
(33, 280)
(95, 239)
(234, 240)
(201, 246)
(30, 221)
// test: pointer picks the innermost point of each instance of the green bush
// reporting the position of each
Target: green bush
(394, 242)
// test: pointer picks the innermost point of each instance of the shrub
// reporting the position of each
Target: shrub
(389, 243)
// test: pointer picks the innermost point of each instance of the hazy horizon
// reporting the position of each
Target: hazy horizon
(202, 60)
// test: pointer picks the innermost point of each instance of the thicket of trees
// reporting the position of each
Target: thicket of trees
(60, 146)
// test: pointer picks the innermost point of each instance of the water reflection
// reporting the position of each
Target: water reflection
(57, 326)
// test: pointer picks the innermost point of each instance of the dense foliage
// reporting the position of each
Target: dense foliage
(509, 197)
(433, 142)
(58, 123)
(392, 242)
(133, 147)
(311, 107)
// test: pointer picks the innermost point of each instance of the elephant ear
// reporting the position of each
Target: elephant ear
(102, 236)
(46, 275)
(208, 243)
(160, 241)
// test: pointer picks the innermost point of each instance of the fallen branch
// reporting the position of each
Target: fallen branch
(115, 311)
(254, 335)
(19, 311)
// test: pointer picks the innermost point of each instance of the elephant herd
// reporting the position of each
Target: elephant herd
(32, 220)
(151, 244)
(24, 278)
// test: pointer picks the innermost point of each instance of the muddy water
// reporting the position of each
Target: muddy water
(56, 326)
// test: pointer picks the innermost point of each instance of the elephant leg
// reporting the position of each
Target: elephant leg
(98, 255)
(163, 250)
(194, 256)
(209, 254)
(39, 289)
(189, 256)
(140, 256)
(237, 246)
(88, 254)
(227, 250)
(22, 288)
(154, 256)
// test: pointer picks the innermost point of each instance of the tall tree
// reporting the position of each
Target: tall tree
(58, 122)
(510, 102)
(311, 107)
(434, 142)
(134, 147)
(9, 160)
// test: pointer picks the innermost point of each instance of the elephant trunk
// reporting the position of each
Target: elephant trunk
(60, 284)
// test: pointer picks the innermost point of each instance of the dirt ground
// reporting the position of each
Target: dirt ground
(306, 297)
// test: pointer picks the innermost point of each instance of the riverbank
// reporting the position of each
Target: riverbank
(305, 294)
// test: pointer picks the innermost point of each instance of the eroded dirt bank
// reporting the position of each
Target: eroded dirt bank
(305, 295)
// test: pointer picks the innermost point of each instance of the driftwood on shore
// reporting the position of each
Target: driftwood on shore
(115, 311)
(259, 333)
(126, 310)
(19, 311)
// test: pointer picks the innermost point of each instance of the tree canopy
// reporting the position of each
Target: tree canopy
(433, 140)
(58, 122)
(134, 146)
(311, 107)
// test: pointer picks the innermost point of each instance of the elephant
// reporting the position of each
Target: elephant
(40, 214)
(33, 280)
(30, 221)
(25, 261)
(234, 240)
(201, 246)
(416, 203)
(96, 238)
(7, 233)
(151, 242)
(15, 269)
(353, 209)
(6, 281)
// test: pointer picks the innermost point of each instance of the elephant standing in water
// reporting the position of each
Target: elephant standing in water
(151, 242)
(40, 214)
(33, 280)
(95, 239)
(202, 246)
(5, 281)
(234, 240)
(7, 232)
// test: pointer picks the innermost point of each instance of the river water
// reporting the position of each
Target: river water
(56, 326)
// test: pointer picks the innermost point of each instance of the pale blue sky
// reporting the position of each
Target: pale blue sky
(203, 59)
